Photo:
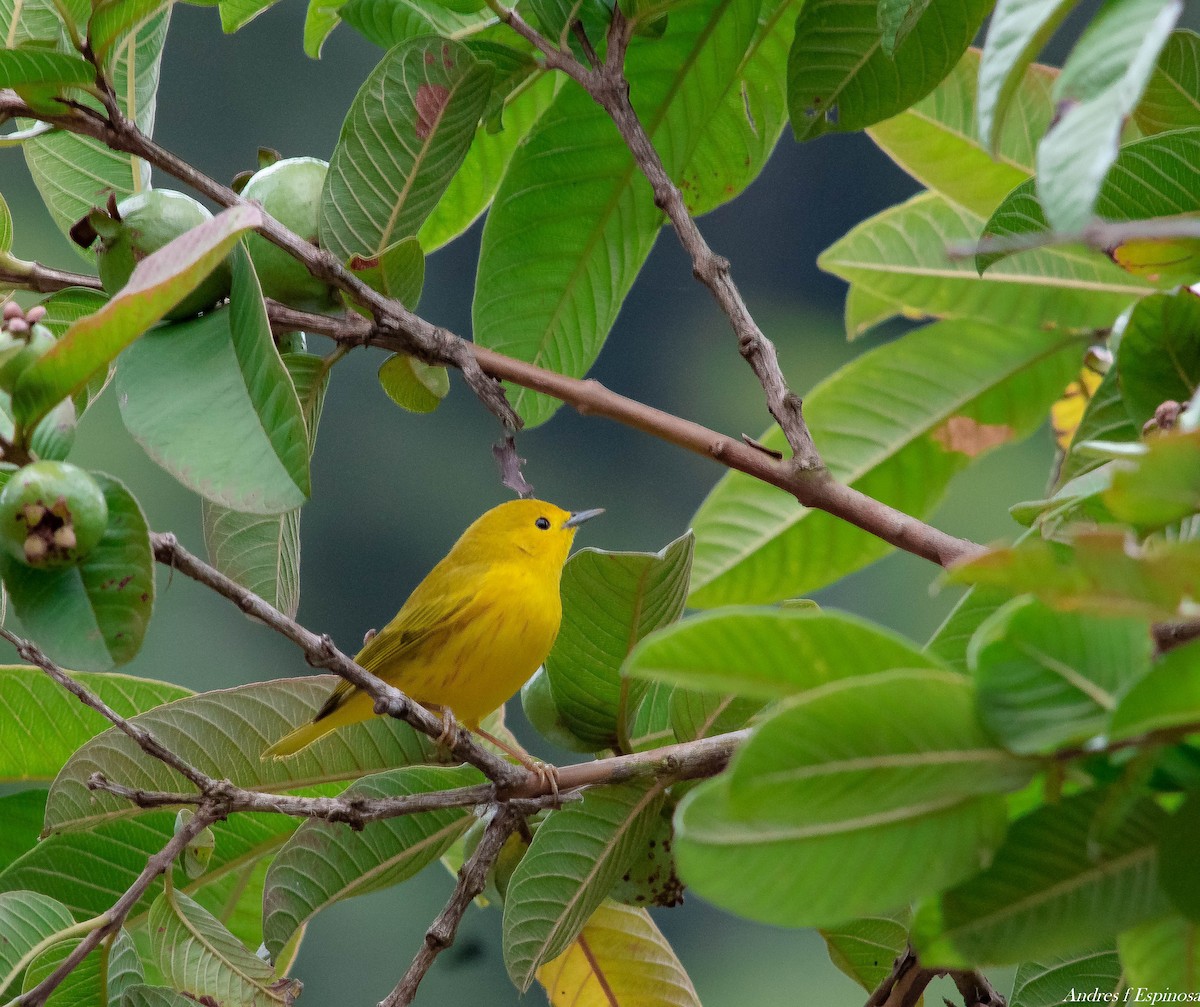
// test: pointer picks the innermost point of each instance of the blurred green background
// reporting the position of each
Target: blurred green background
(392, 490)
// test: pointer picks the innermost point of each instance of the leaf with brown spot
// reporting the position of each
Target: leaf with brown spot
(970, 437)
(431, 99)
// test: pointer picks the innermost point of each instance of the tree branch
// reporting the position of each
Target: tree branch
(471, 879)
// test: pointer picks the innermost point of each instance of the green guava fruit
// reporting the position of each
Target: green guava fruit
(37, 342)
(52, 514)
(148, 221)
(290, 191)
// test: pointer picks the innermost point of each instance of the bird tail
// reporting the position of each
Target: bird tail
(345, 705)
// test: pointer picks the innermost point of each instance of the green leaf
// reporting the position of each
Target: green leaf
(1172, 96)
(236, 14)
(473, 186)
(935, 140)
(770, 653)
(1051, 981)
(390, 22)
(735, 862)
(26, 919)
(841, 756)
(1017, 32)
(648, 721)
(574, 220)
(320, 19)
(576, 856)
(413, 384)
(1049, 678)
(197, 954)
(1167, 697)
(45, 723)
(900, 256)
(1104, 419)
(841, 79)
(1159, 355)
(694, 715)
(62, 309)
(398, 271)
(611, 600)
(1048, 889)
(210, 401)
(113, 20)
(95, 980)
(396, 154)
(325, 862)
(1099, 87)
(1162, 955)
(75, 173)
(154, 996)
(951, 639)
(22, 816)
(940, 397)
(28, 67)
(160, 281)
(1155, 177)
(896, 19)
(223, 734)
(865, 948)
(1099, 571)
(94, 615)
(1160, 488)
(1177, 858)
(261, 552)
(6, 227)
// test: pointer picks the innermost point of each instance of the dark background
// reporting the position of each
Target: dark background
(392, 490)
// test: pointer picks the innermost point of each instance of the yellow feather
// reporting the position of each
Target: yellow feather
(474, 630)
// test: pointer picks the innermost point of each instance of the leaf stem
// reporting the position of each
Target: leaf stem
(78, 930)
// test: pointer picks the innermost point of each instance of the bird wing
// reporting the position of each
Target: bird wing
(424, 614)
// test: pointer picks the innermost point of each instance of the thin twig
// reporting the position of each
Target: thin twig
(156, 865)
(1102, 235)
(471, 880)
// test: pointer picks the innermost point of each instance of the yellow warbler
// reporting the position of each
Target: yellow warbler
(474, 630)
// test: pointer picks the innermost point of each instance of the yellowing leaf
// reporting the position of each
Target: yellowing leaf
(1160, 259)
(620, 959)
(1067, 412)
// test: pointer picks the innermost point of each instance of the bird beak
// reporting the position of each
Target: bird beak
(578, 517)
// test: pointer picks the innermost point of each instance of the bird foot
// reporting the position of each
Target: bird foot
(448, 737)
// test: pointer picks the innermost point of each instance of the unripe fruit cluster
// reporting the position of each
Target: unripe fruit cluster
(52, 514)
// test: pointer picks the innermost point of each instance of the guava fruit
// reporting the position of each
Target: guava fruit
(52, 514)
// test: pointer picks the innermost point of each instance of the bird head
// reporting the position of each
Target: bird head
(531, 528)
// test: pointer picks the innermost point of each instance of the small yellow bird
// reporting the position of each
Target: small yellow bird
(474, 630)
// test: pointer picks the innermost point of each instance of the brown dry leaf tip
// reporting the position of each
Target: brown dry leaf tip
(505, 453)
(429, 103)
(970, 437)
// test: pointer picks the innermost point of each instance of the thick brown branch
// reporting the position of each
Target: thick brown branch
(471, 879)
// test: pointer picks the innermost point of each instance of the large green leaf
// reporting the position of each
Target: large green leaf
(1155, 177)
(935, 140)
(900, 256)
(141, 995)
(1050, 981)
(40, 67)
(1097, 571)
(1047, 678)
(223, 733)
(211, 401)
(574, 220)
(26, 919)
(940, 397)
(262, 552)
(576, 856)
(200, 956)
(44, 723)
(1159, 355)
(1172, 97)
(1168, 697)
(101, 978)
(325, 862)
(841, 79)
(407, 132)
(1050, 888)
(1162, 955)
(952, 638)
(74, 173)
(94, 615)
(22, 813)
(1016, 33)
(1104, 419)
(770, 653)
(611, 601)
(1099, 87)
(807, 809)
(390, 22)
(159, 282)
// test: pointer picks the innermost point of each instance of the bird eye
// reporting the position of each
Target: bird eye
(543, 523)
